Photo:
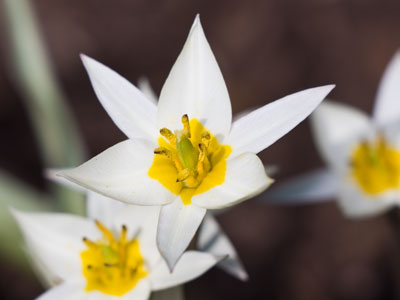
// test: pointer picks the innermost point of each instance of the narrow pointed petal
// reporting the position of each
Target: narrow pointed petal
(176, 227)
(212, 239)
(245, 178)
(56, 240)
(387, 103)
(195, 87)
(354, 204)
(66, 291)
(145, 87)
(125, 104)
(336, 127)
(175, 293)
(120, 173)
(313, 187)
(190, 266)
(262, 127)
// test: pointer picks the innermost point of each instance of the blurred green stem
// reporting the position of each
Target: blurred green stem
(17, 195)
(59, 142)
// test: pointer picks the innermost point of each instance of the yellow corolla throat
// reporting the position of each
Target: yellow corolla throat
(376, 166)
(189, 161)
(112, 266)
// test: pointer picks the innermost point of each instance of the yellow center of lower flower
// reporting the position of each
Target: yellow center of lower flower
(189, 161)
(112, 266)
(376, 166)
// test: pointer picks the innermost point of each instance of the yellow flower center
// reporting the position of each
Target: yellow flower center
(189, 161)
(112, 266)
(376, 166)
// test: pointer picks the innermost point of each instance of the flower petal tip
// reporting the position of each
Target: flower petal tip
(196, 26)
(243, 276)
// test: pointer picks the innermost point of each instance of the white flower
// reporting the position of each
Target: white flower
(87, 260)
(211, 238)
(362, 153)
(200, 161)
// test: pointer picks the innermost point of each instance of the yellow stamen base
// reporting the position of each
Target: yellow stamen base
(189, 162)
(375, 166)
(112, 266)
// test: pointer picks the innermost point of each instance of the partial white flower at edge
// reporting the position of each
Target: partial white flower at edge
(362, 155)
(211, 238)
(76, 253)
(200, 161)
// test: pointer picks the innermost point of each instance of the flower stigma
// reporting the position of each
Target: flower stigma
(112, 266)
(189, 161)
(375, 166)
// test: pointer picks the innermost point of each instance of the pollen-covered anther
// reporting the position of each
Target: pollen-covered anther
(165, 132)
(89, 243)
(203, 165)
(186, 125)
(206, 138)
(107, 233)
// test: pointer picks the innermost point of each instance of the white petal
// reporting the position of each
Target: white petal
(145, 87)
(125, 104)
(195, 87)
(176, 227)
(102, 208)
(175, 293)
(262, 127)
(141, 221)
(355, 204)
(213, 240)
(120, 173)
(56, 240)
(191, 265)
(387, 103)
(65, 291)
(245, 178)
(313, 187)
(336, 127)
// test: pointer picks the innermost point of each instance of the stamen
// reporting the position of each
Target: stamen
(165, 132)
(184, 174)
(170, 155)
(107, 233)
(186, 125)
(203, 164)
(108, 265)
(163, 151)
(206, 138)
(123, 234)
(89, 243)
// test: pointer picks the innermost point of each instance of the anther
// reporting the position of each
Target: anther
(108, 265)
(186, 125)
(206, 138)
(89, 243)
(123, 234)
(165, 132)
(163, 151)
(107, 233)
(183, 175)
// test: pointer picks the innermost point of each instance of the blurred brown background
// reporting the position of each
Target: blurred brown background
(266, 50)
